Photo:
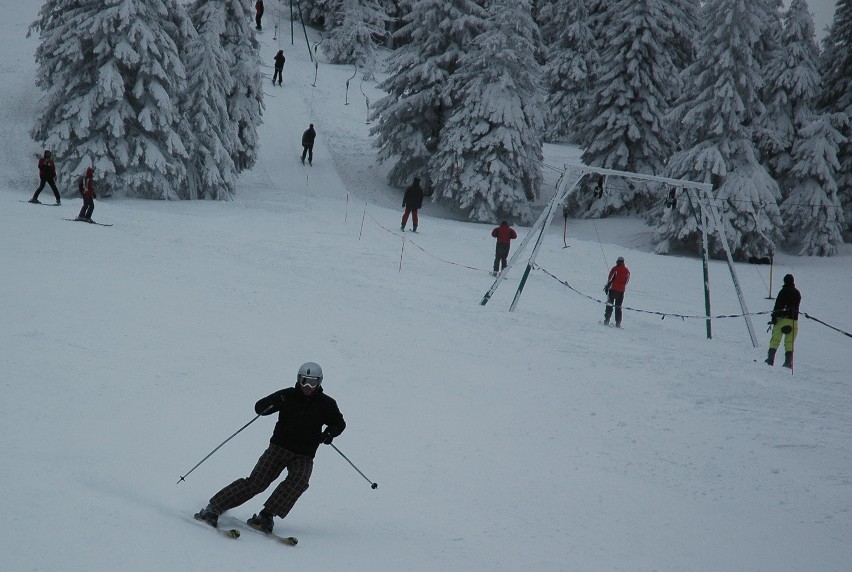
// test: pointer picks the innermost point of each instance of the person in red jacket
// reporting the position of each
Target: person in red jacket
(258, 14)
(47, 174)
(616, 283)
(87, 189)
(504, 235)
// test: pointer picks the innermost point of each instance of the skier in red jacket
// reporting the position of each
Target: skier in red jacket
(504, 235)
(616, 283)
(47, 174)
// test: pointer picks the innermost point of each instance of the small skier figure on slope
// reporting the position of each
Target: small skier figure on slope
(616, 284)
(87, 189)
(412, 200)
(279, 67)
(785, 321)
(47, 176)
(258, 14)
(308, 144)
(504, 235)
(302, 410)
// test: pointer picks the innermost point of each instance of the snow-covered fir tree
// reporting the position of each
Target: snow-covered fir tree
(245, 94)
(790, 92)
(350, 33)
(113, 77)
(571, 60)
(210, 168)
(489, 157)
(411, 115)
(836, 93)
(713, 122)
(812, 210)
(623, 123)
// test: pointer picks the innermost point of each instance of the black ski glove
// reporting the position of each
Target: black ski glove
(326, 438)
(606, 289)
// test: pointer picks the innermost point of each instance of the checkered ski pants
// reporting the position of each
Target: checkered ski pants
(270, 465)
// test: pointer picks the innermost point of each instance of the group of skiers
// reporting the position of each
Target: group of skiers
(86, 185)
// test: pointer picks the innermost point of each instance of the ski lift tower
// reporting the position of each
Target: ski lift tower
(700, 199)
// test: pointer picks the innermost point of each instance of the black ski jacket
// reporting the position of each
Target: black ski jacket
(787, 303)
(308, 137)
(413, 198)
(301, 418)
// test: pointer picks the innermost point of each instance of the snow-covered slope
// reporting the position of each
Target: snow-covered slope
(535, 439)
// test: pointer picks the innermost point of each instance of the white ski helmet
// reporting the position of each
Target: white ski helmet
(310, 371)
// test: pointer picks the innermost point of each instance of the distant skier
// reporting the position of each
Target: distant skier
(504, 235)
(616, 284)
(308, 144)
(279, 67)
(258, 14)
(87, 189)
(412, 200)
(302, 410)
(47, 176)
(785, 321)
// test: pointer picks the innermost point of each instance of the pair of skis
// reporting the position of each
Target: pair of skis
(235, 532)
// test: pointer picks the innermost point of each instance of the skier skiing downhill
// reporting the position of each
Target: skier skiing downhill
(302, 410)
(616, 284)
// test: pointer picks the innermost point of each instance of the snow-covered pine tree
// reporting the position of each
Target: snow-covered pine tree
(411, 116)
(113, 76)
(488, 161)
(836, 93)
(812, 211)
(622, 126)
(210, 168)
(790, 92)
(713, 121)
(571, 60)
(350, 33)
(245, 94)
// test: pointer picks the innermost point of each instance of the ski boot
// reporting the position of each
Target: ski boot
(209, 515)
(262, 521)
(35, 201)
(770, 356)
(788, 360)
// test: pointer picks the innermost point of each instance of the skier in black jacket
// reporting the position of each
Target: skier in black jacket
(308, 144)
(412, 200)
(302, 410)
(785, 321)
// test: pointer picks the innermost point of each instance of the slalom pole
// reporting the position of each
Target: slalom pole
(372, 484)
(217, 448)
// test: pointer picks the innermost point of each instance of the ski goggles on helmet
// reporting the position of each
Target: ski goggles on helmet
(309, 381)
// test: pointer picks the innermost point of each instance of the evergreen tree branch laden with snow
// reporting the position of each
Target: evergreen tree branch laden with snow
(714, 123)
(412, 114)
(488, 162)
(836, 94)
(351, 32)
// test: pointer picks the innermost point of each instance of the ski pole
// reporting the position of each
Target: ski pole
(372, 484)
(217, 448)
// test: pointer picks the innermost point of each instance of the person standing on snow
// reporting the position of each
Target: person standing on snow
(302, 410)
(504, 235)
(87, 189)
(785, 321)
(616, 284)
(308, 144)
(258, 14)
(412, 200)
(47, 175)
(279, 67)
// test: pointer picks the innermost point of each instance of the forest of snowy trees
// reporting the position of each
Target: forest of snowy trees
(164, 98)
